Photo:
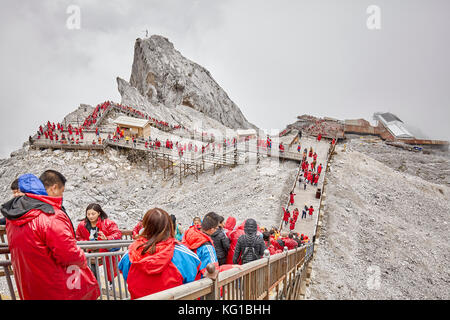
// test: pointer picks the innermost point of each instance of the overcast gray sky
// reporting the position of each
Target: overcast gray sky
(275, 59)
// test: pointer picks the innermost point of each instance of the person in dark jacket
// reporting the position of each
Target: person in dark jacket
(16, 193)
(250, 246)
(221, 243)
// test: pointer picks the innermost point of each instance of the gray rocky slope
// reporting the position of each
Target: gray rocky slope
(385, 232)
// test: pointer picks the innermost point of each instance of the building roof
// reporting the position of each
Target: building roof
(398, 130)
(388, 117)
(247, 132)
(131, 122)
(393, 124)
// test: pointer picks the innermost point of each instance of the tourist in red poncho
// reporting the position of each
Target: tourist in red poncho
(316, 179)
(288, 240)
(319, 137)
(156, 261)
(96, 226)
(286, 216)
(234, 236)
(269, 245)
(44, 254)
(319, 169)
(137, 230)
(295, 214)
(310, 177)
(291, 224)
(291, 199)
(200, 242)
(311, 210)
(230, 223)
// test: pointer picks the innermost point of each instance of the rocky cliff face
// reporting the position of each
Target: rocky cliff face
(163, 76)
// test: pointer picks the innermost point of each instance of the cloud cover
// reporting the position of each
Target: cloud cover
(276, 60)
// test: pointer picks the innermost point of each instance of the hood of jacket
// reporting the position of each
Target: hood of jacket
(250, 227)
(230, 223)
(21, 210)
(155, 263)
(218, 233)
(194, 238)
(29, 183)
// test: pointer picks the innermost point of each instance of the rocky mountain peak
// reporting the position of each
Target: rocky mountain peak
(163, 76)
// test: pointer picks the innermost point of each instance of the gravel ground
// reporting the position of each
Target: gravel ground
(385, 233)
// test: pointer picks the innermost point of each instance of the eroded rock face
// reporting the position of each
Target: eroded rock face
(163, 76)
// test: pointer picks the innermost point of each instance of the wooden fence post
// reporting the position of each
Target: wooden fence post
(267, 280)
(213, 275)
(285, 272)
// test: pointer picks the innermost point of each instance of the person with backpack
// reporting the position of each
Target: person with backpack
(250, 246)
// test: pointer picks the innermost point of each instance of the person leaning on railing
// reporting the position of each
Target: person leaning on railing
(96, 226)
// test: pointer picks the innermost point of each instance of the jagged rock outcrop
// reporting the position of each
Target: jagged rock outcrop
(181, 114)
(162, 75)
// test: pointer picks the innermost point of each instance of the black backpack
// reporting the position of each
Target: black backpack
(255, 257)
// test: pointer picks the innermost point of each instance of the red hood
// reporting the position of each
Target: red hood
(54, 201)
(152, 263)
(237, 232)
(230, 223)
(194, 238)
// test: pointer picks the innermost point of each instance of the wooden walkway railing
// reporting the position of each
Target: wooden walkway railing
(277, 277)
(272, 277)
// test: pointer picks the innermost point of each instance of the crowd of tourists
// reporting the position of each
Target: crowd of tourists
(70, 134)
(42, 240)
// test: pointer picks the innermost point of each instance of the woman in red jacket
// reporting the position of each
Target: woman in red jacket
(96, 226)
(156, 261)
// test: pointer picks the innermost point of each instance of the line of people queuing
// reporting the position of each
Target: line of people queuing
(49, 131)
(46, 258)
(311, 176)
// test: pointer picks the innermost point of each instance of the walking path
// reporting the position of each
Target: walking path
(307, 226)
